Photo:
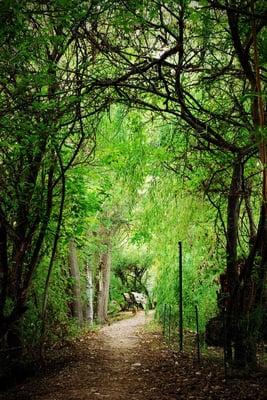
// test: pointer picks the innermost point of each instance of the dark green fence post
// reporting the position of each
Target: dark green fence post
(180, 296)
(198, 341)
(164, 320)
(170, 314)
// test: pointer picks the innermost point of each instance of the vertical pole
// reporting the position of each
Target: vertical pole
(180, 296)
(170, 314)
(164, 320)
(198, 342)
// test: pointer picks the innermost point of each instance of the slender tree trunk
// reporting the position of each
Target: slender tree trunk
(104, 281)
(253, 277)
(246, 284)
(54, 249)
(75, 273)
(240, 301)
(233, 211)
(90, 293)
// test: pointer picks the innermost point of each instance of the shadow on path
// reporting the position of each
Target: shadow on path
(124, 362)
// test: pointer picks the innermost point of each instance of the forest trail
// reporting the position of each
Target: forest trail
(126, 362)
(113, 365)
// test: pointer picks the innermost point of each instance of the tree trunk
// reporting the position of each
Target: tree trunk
(104, 281)
(251, 309)
(89, 292)
(231, 288)
(246, 282)
(253, 277)
(244, 287)
(75, 273)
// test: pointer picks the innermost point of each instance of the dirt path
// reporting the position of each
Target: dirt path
(123, 362)
(111, 366)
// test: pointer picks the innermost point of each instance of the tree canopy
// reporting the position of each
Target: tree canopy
(134, 123)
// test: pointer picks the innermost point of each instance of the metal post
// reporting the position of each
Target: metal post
(198, 341)
(164, 320)
(170, 313)
(180, 296)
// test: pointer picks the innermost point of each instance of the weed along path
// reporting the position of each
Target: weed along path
(127, 361)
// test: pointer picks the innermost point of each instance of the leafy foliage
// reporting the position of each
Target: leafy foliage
(74, 76)
(130, 273)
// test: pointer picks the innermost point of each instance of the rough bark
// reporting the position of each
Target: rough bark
(244, 287)
(90, 293)
(231, 286)
(75, 273)
(104, 280)
(54, 247)
(232, 222)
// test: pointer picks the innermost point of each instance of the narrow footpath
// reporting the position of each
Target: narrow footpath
(124, 361)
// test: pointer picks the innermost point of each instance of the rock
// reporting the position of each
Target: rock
(136, 365)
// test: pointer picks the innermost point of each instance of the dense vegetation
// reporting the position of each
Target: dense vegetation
(126, 127)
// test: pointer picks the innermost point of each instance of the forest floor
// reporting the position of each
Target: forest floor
(129, 361)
